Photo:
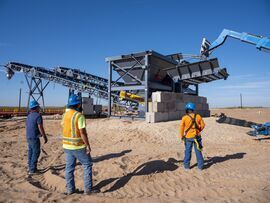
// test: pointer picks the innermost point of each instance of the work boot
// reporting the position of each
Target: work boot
(72, 192)
(31, 173)
(90, 192)
(69, 192)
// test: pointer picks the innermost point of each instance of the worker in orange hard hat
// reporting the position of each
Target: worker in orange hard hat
(190, 132)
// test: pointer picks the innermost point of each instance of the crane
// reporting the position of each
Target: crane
(261, 43)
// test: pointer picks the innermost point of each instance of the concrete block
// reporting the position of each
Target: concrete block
(180, 115)
(158, 116)
(205, 113)
(177, 115)
(159, 107)
(153, 96)
(189, 98)
(98, 108)
(198, 100)
(178, 97)
(173, 95)
(180, 106)
(148, 117)
(155, 117)
(87, 106)
(205, 106)
(150, 107)
(203, 100)
(170, 107)
(199, 106)
(161, 96)
(88, 110)
(173, 116)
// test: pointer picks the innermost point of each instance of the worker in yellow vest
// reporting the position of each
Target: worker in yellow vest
(76, 145)
(190, 132)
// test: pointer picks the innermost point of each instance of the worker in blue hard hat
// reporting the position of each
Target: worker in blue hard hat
(34, 130)
(190, 132)
(76, 145)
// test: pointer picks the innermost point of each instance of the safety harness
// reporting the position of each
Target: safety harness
(196, 139)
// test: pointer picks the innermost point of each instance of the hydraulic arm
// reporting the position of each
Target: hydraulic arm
(261, 43)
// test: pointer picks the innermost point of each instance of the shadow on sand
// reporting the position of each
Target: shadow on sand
(110, 156)
(219, 159)
(148, 168)
(95, 160)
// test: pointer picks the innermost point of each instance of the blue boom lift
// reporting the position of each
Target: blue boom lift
(261, 43)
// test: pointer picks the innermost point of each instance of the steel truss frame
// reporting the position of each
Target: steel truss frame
(36, 89)
(73, 79)
(139, 84)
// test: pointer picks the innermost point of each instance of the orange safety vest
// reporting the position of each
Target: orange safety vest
(71, 133)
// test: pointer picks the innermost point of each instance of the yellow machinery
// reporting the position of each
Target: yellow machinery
(130, 96)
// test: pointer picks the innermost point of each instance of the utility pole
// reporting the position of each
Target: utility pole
(20, 99)
(241, 101)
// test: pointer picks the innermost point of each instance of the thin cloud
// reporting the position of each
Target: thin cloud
(242, 76)
(248, 85)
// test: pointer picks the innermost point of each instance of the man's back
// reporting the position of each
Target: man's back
(186, 124)
(32, 122)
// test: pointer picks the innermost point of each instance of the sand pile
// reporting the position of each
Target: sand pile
(139, 162)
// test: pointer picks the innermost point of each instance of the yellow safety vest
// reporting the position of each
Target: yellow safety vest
(71, 133)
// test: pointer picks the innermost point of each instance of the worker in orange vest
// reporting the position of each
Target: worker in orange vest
(190, 132)
(76, 145)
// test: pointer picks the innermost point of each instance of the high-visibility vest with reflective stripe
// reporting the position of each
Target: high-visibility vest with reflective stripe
(71, 133)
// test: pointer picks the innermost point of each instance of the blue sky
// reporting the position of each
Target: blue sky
(81, 34)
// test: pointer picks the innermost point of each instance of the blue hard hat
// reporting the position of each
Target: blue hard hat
(190, 106)
(33, 104)
(74, 99)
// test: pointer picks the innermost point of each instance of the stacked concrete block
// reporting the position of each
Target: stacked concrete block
(167, 106)
(87, 106)
(155, 117)
(98, 109)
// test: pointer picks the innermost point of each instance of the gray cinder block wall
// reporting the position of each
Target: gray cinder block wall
(169, 106)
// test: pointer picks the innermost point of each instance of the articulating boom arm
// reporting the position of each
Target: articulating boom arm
(262, 43)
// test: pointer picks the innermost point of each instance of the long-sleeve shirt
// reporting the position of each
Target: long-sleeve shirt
(187, 122)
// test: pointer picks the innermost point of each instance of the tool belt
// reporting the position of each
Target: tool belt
(197, 140)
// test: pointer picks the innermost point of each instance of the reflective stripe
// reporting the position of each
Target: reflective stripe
(73, 129)
(74, 144)
(72, 139)
(67, 146)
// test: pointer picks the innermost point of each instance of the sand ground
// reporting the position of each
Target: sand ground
(139, 162)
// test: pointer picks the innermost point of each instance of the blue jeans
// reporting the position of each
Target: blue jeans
(189, 142)
(33, 154)
(86, 161)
